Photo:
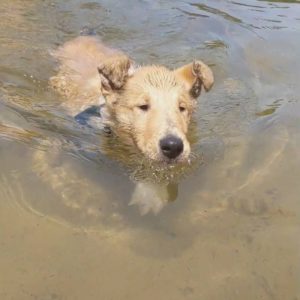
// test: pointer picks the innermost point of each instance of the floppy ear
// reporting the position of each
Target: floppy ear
(114, 72)
(195, 75)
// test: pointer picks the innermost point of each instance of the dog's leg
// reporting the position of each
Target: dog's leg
(152, 197)
(76, 192)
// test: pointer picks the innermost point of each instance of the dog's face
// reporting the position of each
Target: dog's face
(153, 107)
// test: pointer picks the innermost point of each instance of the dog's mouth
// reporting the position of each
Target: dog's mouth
(159, 157)
(149, 164)
(165, 157)
(162, 170)
(173, 161)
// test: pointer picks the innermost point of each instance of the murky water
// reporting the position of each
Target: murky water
(232, 231)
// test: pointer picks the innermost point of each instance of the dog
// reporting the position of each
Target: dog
(149, 108)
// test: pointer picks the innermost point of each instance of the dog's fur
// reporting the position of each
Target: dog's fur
(143, 104)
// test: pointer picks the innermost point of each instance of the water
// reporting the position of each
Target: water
(232, 231)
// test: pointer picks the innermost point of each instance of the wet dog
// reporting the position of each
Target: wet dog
(149, 107)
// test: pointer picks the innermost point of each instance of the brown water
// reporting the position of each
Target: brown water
(233, 230)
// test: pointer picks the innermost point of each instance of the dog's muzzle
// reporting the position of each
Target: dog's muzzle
(171, 146)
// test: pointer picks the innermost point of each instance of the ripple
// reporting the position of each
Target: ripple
(218, 12)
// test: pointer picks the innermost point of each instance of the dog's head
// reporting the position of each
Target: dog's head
(152, 105)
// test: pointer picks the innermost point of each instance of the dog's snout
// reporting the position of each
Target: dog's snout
(171, 146)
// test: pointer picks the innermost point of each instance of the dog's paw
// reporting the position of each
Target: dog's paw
(149, 197)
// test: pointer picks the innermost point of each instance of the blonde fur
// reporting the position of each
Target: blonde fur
(169, 94)
(88, 71)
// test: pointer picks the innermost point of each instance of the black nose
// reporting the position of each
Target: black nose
(171, 146)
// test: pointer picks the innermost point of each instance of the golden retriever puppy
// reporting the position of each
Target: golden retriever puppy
(149, 107)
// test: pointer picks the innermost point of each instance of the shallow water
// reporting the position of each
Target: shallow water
(232, 231)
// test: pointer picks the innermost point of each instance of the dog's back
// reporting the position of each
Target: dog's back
(150, 107)
(78, 80)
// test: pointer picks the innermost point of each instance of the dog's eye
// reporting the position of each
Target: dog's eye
(144, 107)
(182, 108)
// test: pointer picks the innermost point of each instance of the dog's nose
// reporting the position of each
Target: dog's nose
(171, 146)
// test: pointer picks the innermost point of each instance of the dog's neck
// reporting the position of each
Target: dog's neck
(91, 116)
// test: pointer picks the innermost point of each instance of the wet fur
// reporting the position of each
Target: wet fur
(89, 70)
(89, 73)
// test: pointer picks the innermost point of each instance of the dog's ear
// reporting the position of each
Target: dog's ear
(195, 75)
(114, 73)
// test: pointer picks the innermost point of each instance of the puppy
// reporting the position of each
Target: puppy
(149, 107)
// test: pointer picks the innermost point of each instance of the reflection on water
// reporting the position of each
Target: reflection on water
(232, 231)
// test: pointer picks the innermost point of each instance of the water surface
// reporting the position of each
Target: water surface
(233, 230)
